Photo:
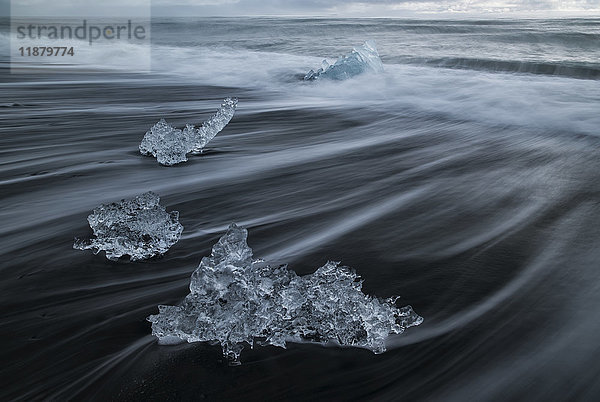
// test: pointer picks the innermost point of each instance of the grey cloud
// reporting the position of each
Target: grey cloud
(371, 6)
(323, 7)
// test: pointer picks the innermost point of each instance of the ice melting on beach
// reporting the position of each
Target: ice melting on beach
(139, 228)
(235, 300)
(360, 60)
(170, 145)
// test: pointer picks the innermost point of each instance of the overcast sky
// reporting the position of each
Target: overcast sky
(367, 8)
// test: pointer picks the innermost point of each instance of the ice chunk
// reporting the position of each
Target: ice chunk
(360, 60)
(139, 228)
(235, 300)
(211, 127)
(170, 145)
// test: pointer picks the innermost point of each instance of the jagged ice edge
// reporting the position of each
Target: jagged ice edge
(171, 145)
(236, 300)
(139, 227)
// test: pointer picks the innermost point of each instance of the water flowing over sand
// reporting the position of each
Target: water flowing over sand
(464, 178)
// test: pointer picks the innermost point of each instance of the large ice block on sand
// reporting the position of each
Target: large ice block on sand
(235, 299)
(139, 228)
(358, 61)
(171, 145)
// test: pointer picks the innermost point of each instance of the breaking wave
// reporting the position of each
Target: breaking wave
(565, 69)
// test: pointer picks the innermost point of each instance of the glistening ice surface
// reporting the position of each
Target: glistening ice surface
(358, 61)
(170, 145)
(235, 300)
(139, 228)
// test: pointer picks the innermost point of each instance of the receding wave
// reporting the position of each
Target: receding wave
(510, 66)
(569, 39)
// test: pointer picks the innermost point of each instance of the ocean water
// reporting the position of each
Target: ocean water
(464, 178)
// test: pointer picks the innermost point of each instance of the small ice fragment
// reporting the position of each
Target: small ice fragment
(211, 127)
(170, 145)
(166, 143)
(235, 299)
(358, 61)
(139, 228)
